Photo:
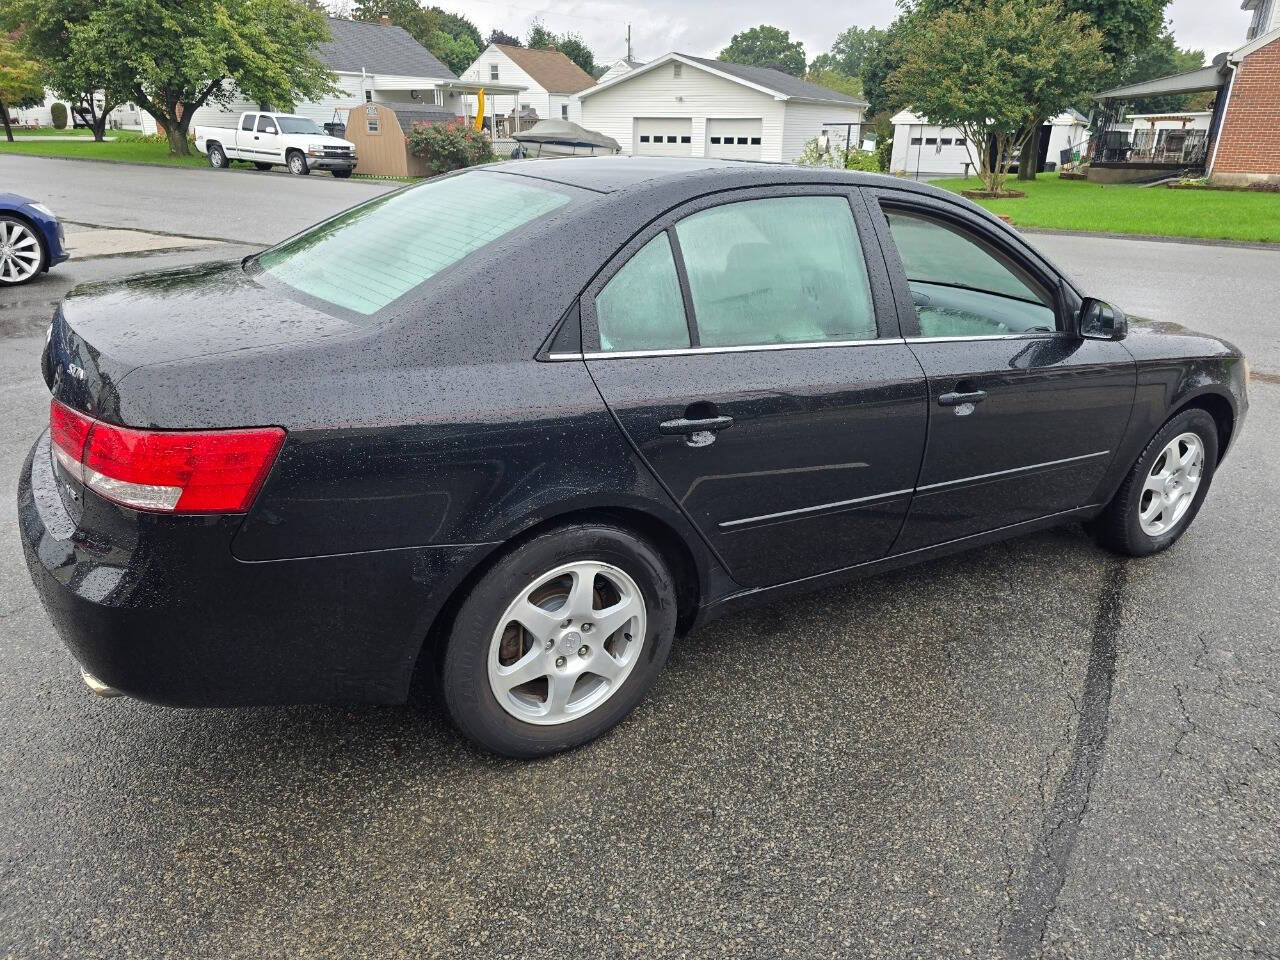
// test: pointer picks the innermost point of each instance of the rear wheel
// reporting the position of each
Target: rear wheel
(1164, 490)
(559, 640)
(217, 157)
(298, 164)
(22, 251)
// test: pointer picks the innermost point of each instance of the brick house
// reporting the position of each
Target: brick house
(1242, 143)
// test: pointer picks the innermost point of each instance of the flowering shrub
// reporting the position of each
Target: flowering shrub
(448, 146)
(812, 156)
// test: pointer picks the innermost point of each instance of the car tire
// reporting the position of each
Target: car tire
(25, 262)
(297, 164)
(627, 576)
(261, 166)
(342, 174)
(218, 157)
(1164, 489)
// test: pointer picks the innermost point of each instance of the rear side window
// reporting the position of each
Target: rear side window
(641, 307)
(247, 122)
(777, 270)
(365, 258)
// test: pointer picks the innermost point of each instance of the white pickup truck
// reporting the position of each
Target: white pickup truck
(271, 139)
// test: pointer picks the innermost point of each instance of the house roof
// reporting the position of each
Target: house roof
(773, 82)
(550, 69)
(377, 48)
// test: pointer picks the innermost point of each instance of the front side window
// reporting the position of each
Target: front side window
(961, 287)
(369, 256)
(777, 270)
(266, 125)
(641, 307)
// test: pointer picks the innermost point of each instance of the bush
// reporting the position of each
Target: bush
(449, 146)
(58, 113)
(835, 157)
(884, 152)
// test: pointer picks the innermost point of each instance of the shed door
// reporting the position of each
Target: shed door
(734, 139)
(656, 137)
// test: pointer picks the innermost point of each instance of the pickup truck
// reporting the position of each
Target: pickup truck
(271, 139)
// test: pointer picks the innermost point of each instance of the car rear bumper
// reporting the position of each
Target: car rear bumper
(156, 607)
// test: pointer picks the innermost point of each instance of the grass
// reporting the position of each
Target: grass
(50, 132)
(1059, 204)
(129, 148)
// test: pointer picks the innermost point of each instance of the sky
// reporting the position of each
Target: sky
(703, 28)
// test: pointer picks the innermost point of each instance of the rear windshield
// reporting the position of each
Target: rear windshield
(365, 258)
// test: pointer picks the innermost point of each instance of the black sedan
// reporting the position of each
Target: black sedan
(514, 430)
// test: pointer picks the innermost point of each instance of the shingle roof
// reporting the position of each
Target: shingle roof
(378, 49)
(551, 69)
(777, 81)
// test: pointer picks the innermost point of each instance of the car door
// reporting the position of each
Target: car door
(266, 146)
(1025, 416)
(748, 347)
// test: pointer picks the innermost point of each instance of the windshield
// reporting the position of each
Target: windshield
(299, 125)
(369, 256)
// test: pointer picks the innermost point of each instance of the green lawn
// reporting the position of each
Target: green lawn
(128, 149)
(50, 132)
(1078, 205)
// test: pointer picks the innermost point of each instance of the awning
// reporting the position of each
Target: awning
(475, 86)
(1206, 78)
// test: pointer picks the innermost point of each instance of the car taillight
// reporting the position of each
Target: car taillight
(169, 471)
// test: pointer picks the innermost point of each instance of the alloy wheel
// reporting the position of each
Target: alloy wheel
(567, 642)
(1171, 485)
(20, 252)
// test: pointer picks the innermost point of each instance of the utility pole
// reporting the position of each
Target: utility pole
(628, 42)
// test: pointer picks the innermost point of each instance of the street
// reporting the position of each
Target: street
(1034, 749)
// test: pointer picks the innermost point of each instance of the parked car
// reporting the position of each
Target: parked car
(275, 139)
(31, 240)
(356, 458)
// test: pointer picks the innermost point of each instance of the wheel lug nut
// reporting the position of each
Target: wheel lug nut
(565, 623)
(560, 661)
(583, 650)
(586, 628)
(550, 644)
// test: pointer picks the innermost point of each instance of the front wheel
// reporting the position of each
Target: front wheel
(342, 174)
(1164, 490)
(217, 157)
(22, 252)
(559, 640)
(298, 165)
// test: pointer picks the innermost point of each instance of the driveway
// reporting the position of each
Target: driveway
(1035, 749)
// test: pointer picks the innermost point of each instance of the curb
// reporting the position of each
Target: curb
(167, 233)
(1152, 238)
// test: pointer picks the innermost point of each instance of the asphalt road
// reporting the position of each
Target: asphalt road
(1031, 750)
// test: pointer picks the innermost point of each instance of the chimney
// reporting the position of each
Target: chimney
(384, 20)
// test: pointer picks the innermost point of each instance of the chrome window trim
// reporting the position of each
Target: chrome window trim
(1006, 473)
(740, 348)
(991, 336)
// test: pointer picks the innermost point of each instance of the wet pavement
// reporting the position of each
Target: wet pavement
(1035, 749)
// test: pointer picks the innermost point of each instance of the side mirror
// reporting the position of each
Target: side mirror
(1101, 321)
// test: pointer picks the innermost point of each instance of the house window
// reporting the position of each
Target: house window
(564, 111)
(959, 141)
(368, 96)
(671, 139)
(931, 141)
(945, 141)
(676, 69)
(755, 141)
(715, 140)
(371, 119)
(686, 139)
(916, 141)
(493, 72)
(644, 138)
(742, 141)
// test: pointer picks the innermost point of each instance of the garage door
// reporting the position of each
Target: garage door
(656, 137)
(734, 139)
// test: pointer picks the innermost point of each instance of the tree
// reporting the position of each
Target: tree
(994, 70)
(419, 22)
(570, 44)
(879, 60)
(504, 38)
(849, 51)
(174, 56)
(456, 53)
(458, 26)
(53, 32)
(1161, 58)
(835, 80)
(20, 84)
(766, 46)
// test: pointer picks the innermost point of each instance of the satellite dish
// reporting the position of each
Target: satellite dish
(415, 94)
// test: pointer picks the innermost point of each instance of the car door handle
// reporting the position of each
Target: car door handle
(685, 426)
(956, 399)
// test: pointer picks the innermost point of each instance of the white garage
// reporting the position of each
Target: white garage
(686, 106)
(737, 139)
(663, 137)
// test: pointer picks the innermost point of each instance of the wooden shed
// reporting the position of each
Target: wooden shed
(378, 132)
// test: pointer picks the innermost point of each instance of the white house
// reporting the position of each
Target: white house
(40, 115)
(374, 62)
(619, 67)
(680, 105)
(923, 149)
(547, 78)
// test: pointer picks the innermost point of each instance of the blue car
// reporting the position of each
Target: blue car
(31, 240)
